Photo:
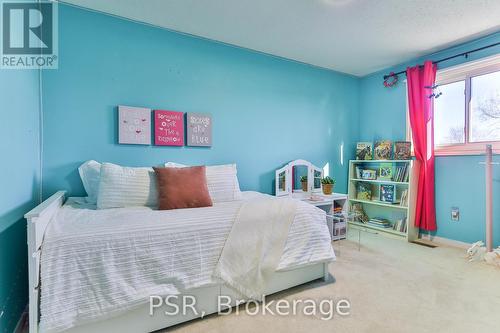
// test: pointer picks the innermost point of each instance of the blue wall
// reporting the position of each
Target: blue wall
(266, 110)
(459, 179)
(19, 177)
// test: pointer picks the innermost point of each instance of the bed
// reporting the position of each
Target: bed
(94, 270)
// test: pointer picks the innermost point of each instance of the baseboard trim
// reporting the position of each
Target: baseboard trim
(445, 241)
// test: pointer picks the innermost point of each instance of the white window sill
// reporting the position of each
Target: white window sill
(478, 148)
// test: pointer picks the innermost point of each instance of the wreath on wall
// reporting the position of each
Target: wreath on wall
(390, 80)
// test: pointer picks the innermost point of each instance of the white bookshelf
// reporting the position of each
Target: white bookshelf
(375, 208)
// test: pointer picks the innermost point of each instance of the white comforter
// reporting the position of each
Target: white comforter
(100, 263)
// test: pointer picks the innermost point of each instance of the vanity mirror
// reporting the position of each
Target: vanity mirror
(299, 178)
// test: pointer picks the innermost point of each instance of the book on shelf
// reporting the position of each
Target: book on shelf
(382, 150)
(406, 174)
(364, 191)
(404, 198)
(359, 172)
(402, 150)
(379, 223)
(400, 225)
(387, 193)
(385, 171)
(364, 151)
(402, 173)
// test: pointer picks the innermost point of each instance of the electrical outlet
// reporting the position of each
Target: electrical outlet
(455, 214)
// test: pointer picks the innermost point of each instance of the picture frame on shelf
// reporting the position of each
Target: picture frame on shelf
(382, 150)
(368, 174)
(364, 151)
(402, 150)
(385, 171)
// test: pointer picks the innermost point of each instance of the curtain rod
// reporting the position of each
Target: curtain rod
(466, 54)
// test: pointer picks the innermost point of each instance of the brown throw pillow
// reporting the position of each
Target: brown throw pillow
(182, 188)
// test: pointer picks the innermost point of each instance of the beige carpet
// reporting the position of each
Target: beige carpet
(393, 286)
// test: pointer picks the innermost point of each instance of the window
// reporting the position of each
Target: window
(467, 113)
(484, 108)
(449, 111)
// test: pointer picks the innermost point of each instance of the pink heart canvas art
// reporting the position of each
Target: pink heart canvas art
(169, 128)
(134, 125)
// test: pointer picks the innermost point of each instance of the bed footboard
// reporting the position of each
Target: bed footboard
(37, 221)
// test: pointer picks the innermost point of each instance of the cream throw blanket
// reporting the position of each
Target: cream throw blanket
(255, 244)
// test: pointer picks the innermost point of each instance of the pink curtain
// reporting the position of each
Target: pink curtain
(422, 129)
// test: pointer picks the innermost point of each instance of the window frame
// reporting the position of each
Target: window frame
(464, 72)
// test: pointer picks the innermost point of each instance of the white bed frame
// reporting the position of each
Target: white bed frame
(139, 320)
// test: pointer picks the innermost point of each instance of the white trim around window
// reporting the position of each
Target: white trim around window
(473, 68)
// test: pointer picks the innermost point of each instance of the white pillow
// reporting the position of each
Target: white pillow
(90, 172)
(126, 187)
(222, 181)
(175, 165)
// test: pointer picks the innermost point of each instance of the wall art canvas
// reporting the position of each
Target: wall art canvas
(134, 125)
(169, 128)
(199, 129)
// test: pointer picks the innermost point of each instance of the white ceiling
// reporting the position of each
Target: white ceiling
(352, 36)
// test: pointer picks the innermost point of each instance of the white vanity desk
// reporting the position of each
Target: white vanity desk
(335, 205)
